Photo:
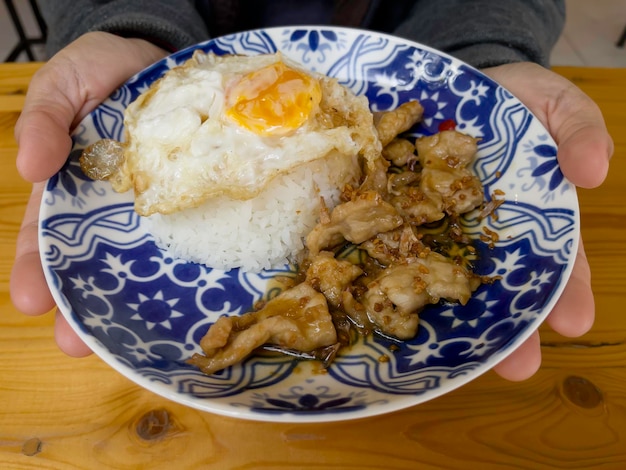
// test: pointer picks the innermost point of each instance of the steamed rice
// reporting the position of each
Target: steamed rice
(260, 233)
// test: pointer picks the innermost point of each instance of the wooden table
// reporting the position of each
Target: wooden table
(58, 413)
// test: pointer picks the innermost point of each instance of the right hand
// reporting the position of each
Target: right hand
(67, 88)
(584, 151)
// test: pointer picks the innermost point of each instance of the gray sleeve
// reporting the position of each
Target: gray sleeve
(487, 33)
(169, 24)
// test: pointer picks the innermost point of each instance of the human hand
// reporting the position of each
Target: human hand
(584, 149)
(60, 95)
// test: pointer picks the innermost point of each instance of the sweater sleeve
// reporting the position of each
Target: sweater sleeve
(486, 33)
(170, 24)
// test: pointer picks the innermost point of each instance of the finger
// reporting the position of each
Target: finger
(66, 89)
(574, 313)
(585, 146)
(42, 131)
(523, 362)
(28, 286)
(43, 140)
(67, 339)
(584, 153)
(572, 118)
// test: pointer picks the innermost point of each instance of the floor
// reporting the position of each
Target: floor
(589, 38)
(592, 29)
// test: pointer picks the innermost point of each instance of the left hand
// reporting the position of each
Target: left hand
(69, 86)
(584, 150)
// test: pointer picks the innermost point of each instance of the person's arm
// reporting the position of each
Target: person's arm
(172, 25)
(485, 33)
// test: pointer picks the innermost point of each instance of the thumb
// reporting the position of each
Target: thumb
(573, 119)
(67, 88)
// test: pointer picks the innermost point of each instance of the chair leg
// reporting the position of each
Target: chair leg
(622, 40)
(24, 43)
(39, 18)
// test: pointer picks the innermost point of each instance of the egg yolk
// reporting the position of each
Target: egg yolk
(274, 100)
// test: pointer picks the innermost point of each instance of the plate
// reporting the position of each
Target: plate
(144, 312)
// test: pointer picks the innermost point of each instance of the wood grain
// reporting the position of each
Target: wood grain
(62, 413)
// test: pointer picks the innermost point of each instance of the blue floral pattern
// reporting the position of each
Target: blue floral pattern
(144, 311)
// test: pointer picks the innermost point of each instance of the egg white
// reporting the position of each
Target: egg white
(181, 149)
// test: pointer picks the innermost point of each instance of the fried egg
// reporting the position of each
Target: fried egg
(227, 125)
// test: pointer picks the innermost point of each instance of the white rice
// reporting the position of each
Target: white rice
(261, 233)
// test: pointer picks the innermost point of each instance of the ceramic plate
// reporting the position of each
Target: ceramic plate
(144, 312)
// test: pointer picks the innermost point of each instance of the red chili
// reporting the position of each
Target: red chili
(447, 125)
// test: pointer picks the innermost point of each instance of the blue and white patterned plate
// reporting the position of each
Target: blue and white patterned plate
(144, 312)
